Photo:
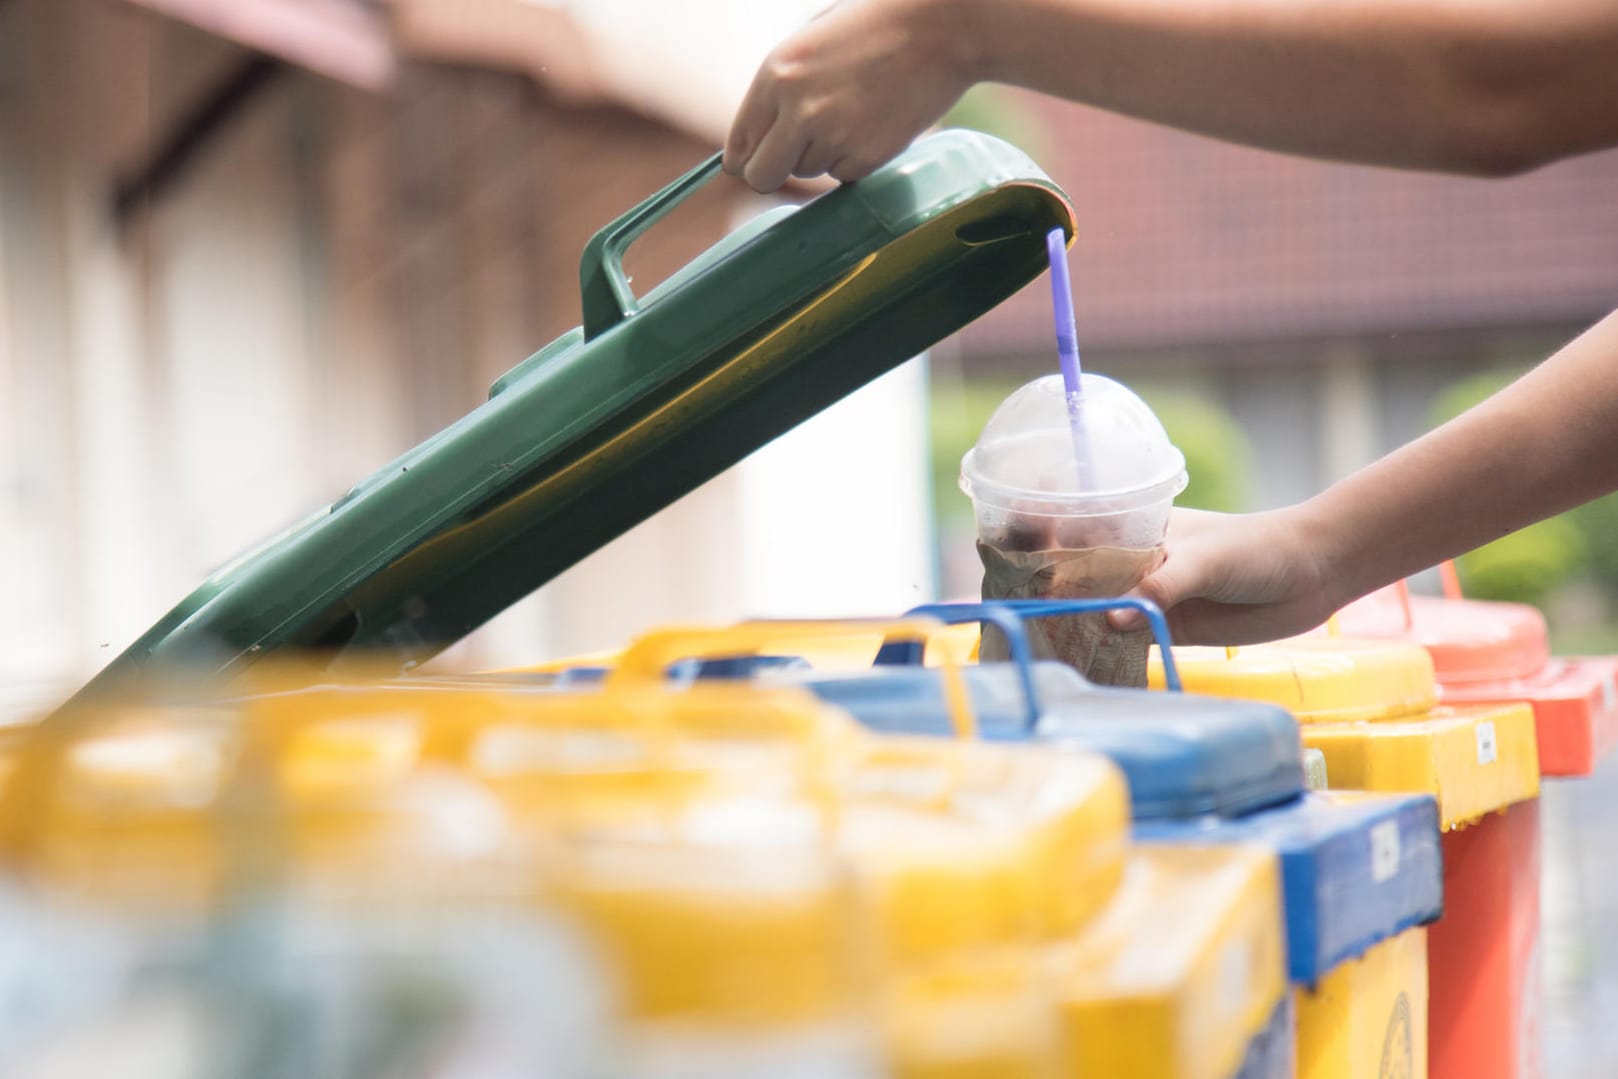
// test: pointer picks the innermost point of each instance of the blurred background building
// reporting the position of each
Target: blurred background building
(252, 249)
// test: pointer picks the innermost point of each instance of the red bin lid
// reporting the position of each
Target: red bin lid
(1470, 640)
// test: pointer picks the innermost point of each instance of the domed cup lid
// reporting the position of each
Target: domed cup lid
(1025, 460)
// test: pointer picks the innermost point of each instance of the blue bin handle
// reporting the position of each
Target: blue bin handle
(895, 653)
(1008, 616)
(1047, 608)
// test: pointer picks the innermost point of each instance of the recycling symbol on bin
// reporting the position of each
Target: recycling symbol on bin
(1398, 1057)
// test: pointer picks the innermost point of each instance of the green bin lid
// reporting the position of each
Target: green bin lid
(644, 402)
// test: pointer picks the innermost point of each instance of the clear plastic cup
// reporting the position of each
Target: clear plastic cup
(1024, 477)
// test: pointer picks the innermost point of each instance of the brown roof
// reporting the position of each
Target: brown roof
(1186, 240)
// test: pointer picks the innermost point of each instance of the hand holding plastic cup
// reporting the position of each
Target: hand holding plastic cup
(1048, 529)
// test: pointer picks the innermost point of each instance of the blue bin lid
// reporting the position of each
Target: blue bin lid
(1183, 755)
(1356, 869)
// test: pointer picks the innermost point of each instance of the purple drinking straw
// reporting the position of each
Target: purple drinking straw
(1067, 351)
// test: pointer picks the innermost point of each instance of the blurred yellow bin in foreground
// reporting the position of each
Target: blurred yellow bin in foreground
(1180, 972)
(854, 650)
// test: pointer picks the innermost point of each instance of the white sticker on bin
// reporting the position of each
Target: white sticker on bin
(1609, 693)
(1385, 852)
(1487, 750)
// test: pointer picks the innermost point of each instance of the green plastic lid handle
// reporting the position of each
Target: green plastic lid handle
(1049, 608)
(953, 614)
(608, 299)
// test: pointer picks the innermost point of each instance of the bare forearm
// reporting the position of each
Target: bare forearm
(1545, 444)
(1455, 85)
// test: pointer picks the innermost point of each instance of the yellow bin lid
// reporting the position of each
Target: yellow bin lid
(971, 845)
(1474, 759)
(1317, 679)
(853, 651)
(743, 933)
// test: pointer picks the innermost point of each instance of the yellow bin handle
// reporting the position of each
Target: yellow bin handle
(646, 660)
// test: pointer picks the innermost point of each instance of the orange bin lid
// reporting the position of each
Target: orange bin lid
(1470, 640)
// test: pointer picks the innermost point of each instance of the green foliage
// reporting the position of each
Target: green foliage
(1218, 454)
(1468, 392)
(1525, 566)
(1598, 522)
(1528, 565)
(994, 110)
(959, 411)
